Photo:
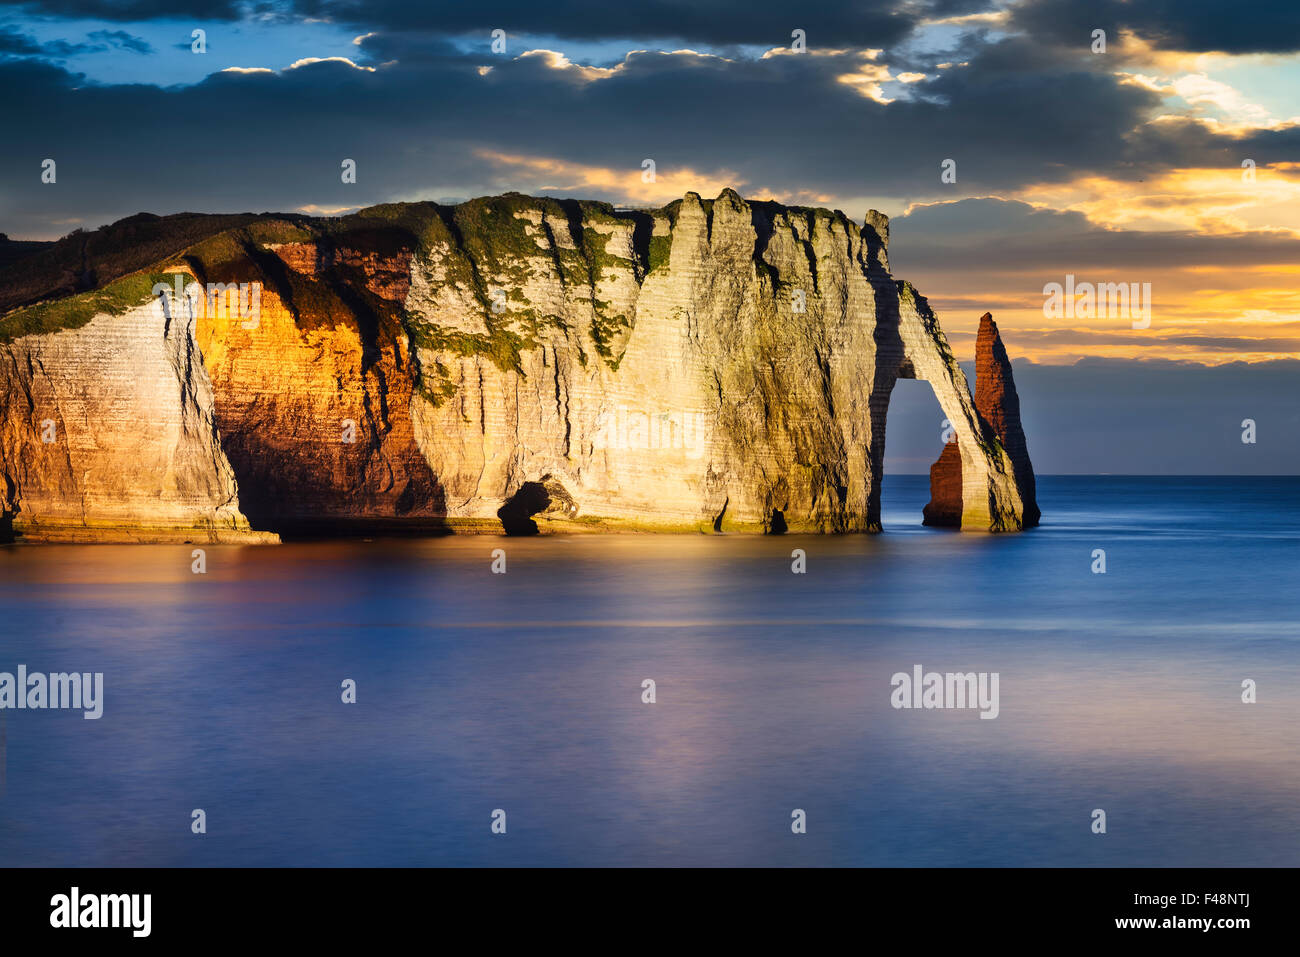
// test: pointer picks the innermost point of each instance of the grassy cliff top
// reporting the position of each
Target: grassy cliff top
(49, 286)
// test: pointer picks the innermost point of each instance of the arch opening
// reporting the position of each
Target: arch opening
(918, 430)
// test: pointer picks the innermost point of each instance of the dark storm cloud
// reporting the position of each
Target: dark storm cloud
(957, 8)
(275, 140)
(979, 235)
(1037, 112)
(119, 39)
(1014, 116)
(16, 43)
(1018, 114)
(877, 22)
(1264, 26)
(138, 11)
(715, 22)
(1197, 25)
(1185, 143)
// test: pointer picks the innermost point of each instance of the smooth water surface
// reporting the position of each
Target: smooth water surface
(523, 692)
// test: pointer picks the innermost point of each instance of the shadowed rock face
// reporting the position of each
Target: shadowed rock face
(944, 508)
(514, 362)
(999, 407)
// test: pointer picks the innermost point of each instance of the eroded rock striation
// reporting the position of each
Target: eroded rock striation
(107, 433)
(509, 363)
(998, 406)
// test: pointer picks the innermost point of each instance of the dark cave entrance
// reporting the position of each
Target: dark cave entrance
(517, 513)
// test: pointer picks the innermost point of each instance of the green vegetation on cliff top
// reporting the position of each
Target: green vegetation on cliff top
(85, 261)
(499, 242)
(486, 243)
(73, 312)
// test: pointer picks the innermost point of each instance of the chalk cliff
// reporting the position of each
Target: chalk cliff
(510, 362)
(998, 405)
(107, 433)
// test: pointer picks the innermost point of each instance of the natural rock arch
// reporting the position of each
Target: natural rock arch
(997, 407)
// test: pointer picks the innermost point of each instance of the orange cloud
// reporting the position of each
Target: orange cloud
(552, 175)
(1209, 201)
(557, 175)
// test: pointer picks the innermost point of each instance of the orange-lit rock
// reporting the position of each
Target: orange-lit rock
(314, 413)
(998, 405)
(944, 508)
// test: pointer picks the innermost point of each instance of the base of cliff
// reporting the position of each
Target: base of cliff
(46, 534)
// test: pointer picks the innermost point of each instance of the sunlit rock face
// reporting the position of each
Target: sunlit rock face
(314, 401)
(515, 363)
(107, 433)
(998, 406)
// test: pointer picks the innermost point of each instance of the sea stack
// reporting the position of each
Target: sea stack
(998, 406)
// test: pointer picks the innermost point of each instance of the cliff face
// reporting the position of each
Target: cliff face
(998, 406)
(107, 433)
(713, 365)
(314, 402)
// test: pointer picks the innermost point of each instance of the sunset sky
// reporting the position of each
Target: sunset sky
(1117, 166)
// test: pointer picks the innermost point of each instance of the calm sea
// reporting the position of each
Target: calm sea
(523, 692)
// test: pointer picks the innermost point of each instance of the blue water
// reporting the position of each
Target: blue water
(522, 692)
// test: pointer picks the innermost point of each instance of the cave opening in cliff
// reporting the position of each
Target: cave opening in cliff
(517, 513)
(776, 524)
(916, 433)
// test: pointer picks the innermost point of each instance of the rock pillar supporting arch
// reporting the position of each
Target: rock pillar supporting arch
(991, 496)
